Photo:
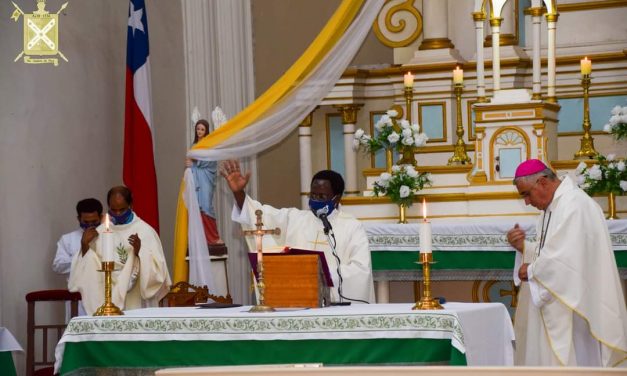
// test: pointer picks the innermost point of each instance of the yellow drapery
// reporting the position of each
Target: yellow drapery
(308, 61)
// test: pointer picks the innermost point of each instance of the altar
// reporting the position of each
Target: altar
(375, 334)
(464, 250)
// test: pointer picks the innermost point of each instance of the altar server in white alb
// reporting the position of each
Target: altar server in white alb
(302, 229)
(571, 307)
(141, 278)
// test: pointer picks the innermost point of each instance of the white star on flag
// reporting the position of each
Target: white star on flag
(135, 19)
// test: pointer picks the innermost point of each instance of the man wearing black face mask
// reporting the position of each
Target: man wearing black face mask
(141, 276)
(88, 213)
(304, 229)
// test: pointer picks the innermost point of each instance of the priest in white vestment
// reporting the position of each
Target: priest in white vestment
(571, 308)
(302, 229)
(141, 276)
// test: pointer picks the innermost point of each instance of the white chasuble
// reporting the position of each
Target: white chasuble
(138, 282)
(301, 229)
(572, 311)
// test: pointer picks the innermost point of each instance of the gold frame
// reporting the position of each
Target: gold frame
(495, 135)
(371, 115)
(444, 120)
(469, 131)
(328, 133)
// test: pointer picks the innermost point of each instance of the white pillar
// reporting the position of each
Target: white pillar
(551, 21)
(349, 119)
(495, 22)
(383, 292)
(536, 19)
(479, 18)
(435, 25)
(306, 173)
(219, 72)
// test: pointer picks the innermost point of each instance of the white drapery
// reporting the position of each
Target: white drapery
(283, 118)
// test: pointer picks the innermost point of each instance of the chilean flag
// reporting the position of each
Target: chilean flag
(139, 164)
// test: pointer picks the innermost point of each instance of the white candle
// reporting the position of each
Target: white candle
(408, 79)
(425, 231)
(586, 66)
(106, 243)
(458, 76)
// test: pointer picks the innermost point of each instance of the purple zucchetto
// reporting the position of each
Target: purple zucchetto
(529, 167)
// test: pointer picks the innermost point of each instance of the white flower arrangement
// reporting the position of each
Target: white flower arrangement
(617, 125)
(389, 133)
(609, 175)
(402, 184)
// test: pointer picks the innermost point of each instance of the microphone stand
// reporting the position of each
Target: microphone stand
(331, 239)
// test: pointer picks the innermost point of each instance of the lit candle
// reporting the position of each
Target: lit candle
(408, 79)
(106, 245)
(458, 76)
(425, 230)
(586, 66)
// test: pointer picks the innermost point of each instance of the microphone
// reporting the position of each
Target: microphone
(322, 214)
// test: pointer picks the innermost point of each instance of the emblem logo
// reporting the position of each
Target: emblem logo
(41, 35)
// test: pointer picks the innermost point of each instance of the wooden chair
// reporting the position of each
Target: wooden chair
(182, 294)
(34, 366)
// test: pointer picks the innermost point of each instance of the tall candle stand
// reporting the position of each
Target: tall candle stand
(426, 301)
(460, 156)
(108, 308)
(586, 149)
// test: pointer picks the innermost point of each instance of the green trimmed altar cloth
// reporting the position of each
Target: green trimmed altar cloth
(376, 334)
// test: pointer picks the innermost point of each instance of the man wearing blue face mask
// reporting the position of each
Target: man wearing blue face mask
(305, 229)
(141, 276)
(88, 213)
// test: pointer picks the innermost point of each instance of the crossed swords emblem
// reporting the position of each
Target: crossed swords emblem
(40, 34)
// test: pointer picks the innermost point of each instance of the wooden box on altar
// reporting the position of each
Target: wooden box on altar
(295, 281)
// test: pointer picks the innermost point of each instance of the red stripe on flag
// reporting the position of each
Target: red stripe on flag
(139, 163)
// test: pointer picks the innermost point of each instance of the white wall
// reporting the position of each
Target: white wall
(61, 135)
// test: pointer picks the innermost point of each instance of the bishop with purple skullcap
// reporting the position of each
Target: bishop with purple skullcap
(529, 167)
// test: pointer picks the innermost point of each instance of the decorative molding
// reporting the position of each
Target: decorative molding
(445, 169)
(436, 197)
(578, 7)
(392, 35)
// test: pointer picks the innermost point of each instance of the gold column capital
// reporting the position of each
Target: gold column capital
(478, 16)
(436, 44)
(496, 21)
(349, 112)
(551, 17)
(308, 120)
(536, 11)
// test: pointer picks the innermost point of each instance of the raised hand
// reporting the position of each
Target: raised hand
(516, 238)
(237, 182)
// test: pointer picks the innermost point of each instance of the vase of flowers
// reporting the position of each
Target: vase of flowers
(401, 185)
(607, 176)
(392, 135)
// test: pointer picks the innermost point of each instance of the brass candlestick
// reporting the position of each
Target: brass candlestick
(460, 156)
(586, 149)
(258, 233)
(426, 301)
(407, 155)
(261, 307)
(108, 308)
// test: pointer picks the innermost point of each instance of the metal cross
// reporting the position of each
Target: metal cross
(259, 232)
